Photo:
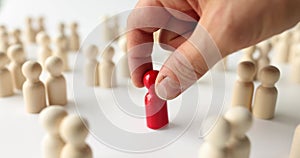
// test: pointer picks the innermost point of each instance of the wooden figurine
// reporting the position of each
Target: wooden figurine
(294, 45)
(108, 30)
(92, 66)
(4, 42)
(41, 25)
(265, 47)
(274, 40)
(3, 28)
(17, 57)
(6, 85)
(294, 52)
(262, 61)
(60, 51)
(296, 37)
(215, 145)
(56, 86)
(33, 89)
(266, 94)
(282, 49)
(74, 40)
(249, 54)
(73, 130)
(123, 65)
(29, 31)
(16, 37)
(106, 69)
(63, 36)
(51, 118)
(61, 28)
(244, 87)
(44, 51)
(295, 150)
(240, 119)
(115, 27)
(295, 66)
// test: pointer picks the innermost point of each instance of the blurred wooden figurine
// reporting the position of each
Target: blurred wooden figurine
(240, 120)
(296, 37)
(265, 46)
(73, 130)
(41, 25)
(33, 89)
(16, 37)
(3, 28)
(116, 27)
(295, 66)
(294, 45)
(44, 51)
(274, 40)
(108, 30)
(249, 54)
(282, 48)
(295, 149)
(106, 69)
(244, 87)
(215, 145)
(4, 41)
(266, 94)
(29, 31)
(51, 118)
(6, 85)
(92, 66)
(17, 57)
(56, 86)
(74, 41)
(123, 65)
(63, 36)
(60, 51)
(294, 52)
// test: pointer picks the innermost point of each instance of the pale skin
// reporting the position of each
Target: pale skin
(232, 24)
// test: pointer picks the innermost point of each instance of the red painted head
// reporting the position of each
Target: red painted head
(150, 77)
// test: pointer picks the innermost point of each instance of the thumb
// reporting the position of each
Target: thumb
(187, 64)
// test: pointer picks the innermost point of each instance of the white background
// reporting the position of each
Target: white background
(21, 133)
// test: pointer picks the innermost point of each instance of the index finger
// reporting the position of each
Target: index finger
(144, 20)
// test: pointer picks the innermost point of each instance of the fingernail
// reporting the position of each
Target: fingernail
(167, 89)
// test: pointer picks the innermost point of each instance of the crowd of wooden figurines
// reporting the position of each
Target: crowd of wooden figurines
(228, 138)
(21, 75)
(52, 54)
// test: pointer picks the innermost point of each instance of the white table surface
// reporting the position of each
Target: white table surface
(21, 133)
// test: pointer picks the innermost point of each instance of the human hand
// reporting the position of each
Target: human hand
(231, 24)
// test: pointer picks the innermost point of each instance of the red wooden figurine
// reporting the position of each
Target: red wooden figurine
(156, 108)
